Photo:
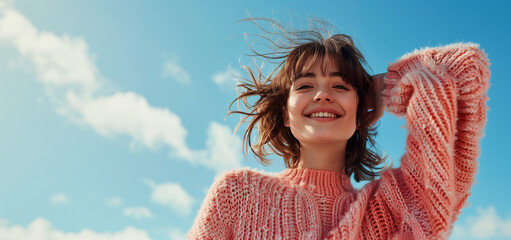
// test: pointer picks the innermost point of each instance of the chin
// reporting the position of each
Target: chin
(327, 139)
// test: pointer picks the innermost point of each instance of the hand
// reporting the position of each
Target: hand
(378, 104)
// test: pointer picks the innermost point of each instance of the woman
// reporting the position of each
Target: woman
(317, 113)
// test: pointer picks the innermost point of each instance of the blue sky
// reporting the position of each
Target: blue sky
(112, 114)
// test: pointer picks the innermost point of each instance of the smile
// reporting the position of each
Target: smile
(323, 115)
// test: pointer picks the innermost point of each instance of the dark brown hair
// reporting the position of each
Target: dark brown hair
(297, 51)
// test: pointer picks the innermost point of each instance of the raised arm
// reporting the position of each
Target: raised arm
(442, 93)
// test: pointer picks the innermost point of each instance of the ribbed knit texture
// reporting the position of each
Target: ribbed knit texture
(442, 93)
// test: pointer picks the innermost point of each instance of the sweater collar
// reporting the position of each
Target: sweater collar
(323, 182)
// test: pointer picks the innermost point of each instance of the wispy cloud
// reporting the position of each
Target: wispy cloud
(4, 222)
(59, 61)
(226, 79)
(487, 224)
(223, 148)
(59, 198)
(42, 229)
(138, 212)
(74, 84)
(171, 195)
(176, 234)
(114, 201)
(172, 70)
(5, 3)
(128, 113)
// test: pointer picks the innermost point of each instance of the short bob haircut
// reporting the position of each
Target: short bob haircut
(297, 54)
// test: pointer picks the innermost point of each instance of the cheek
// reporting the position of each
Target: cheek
(291, 115)
(291, 111)
(350, 105)
(355, 110)
(285, 114)
(354, 107)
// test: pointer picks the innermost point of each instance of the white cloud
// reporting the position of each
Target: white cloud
(4, 222)
(171, 195)
(41, 229)
(177, 234)
(67, 70)
(173, 70)
(5, 3)
(487, 224)
(223, 149)
(59, 61)
(227, 78)
(114, 201)
(138, 212)
(129, 113)
(59, 198)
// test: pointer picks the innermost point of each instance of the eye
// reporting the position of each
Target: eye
(302, 87)
(340, 86)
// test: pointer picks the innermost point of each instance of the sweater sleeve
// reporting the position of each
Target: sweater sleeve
(215, 218)
(442, 93)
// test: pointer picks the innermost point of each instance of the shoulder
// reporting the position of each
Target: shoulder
(246, 176)
(247, 181)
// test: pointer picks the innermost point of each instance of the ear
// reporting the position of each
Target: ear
(285, 115)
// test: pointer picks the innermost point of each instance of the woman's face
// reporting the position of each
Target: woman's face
(321, 108)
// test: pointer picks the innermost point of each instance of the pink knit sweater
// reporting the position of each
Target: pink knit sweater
(442, 93)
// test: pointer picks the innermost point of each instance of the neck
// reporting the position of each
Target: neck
(328, 157)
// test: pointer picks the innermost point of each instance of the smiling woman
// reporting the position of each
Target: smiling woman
(309, 71)
(317, 112)
(325, 124)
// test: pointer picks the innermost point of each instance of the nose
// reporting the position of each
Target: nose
(323, 96)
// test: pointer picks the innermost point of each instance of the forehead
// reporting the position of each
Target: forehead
(327, 64)
(319, 65)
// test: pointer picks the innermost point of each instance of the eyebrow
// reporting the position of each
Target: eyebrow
(311, 74)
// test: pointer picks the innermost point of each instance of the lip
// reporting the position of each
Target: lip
(323, 109)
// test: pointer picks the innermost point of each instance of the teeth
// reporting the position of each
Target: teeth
(323, 114)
